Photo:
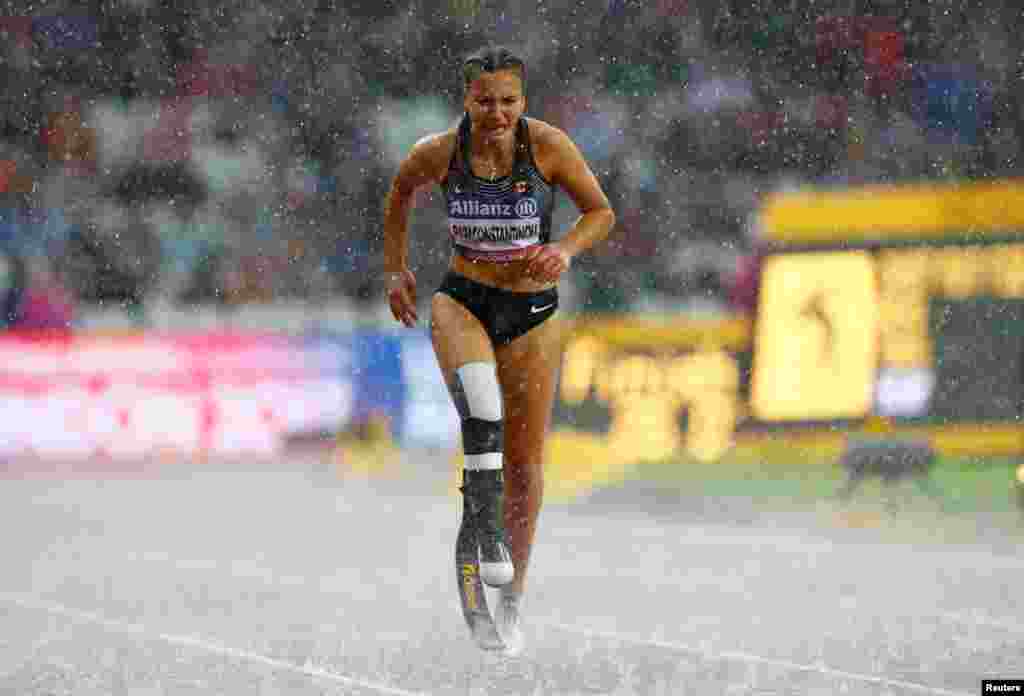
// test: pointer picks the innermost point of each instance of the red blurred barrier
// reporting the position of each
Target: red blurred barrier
(136, 395)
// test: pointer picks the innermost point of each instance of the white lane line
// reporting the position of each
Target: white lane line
(198, 643)
(737, 656)
(266, 576)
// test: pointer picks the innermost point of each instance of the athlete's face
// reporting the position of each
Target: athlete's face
(495, 101)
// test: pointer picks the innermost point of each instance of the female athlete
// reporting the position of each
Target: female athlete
(498, 171)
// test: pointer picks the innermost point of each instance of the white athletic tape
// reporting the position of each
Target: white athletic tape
(488, 461)
(480, 385)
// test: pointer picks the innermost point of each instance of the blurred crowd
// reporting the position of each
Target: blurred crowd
(236, 152)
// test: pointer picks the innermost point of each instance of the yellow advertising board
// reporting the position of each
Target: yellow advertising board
(899, 304)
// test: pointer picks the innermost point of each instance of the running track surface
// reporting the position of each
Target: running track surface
(286, 578)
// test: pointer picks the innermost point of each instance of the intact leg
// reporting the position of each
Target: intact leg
(527, 368)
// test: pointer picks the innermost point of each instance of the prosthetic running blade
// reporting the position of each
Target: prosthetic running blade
(475, 609)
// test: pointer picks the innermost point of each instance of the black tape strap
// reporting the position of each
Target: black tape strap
(482, 436)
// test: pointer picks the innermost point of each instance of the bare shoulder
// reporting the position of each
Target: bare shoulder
(553, 150)
(547, 138)
(429, 157)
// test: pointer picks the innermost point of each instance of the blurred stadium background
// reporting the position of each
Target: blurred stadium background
(819, 244)
(215, 441)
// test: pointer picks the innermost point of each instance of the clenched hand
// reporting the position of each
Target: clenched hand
(548, 263)
(402, 296)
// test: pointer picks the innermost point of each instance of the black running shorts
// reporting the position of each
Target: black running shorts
(505, 314)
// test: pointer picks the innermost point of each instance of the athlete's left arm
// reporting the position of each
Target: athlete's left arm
(569, 170)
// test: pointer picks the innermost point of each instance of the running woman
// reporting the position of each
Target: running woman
(498, 171)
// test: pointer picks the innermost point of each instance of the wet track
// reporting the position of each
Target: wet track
(288, 579)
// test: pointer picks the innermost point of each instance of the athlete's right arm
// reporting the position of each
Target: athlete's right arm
(418, 169)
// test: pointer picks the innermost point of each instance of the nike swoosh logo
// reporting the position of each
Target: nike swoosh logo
(535, 310)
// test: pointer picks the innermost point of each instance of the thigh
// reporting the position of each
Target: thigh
(457, 335)
(527, 371)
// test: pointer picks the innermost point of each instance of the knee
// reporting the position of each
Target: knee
(477, 397)
(476, 391)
